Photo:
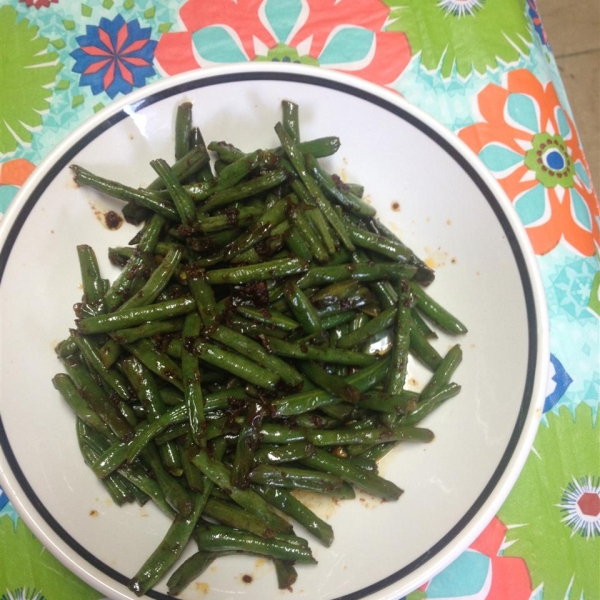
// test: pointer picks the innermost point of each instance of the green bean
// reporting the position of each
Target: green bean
(424, 275)
(318, 147)
(109, 352)
(296, 244)
(294, 478)
(256, 352)
(232, 173)
(227, 152)
(340, 437)
(156, 282)
(259, 230)
(317, 276)
(303, 402)
(402, 403)
(171, 396)
(66, 347)
(248, 440)
(97, 398)
(422, 325)
(315, 216)
(345, 295)
(159, 363)
(400, 347)
(223, 398)
(302, 308)
(297, 159)
(111, 459)
(144, 198)
(197, 141)
(270, 247)
(117, 488)
(248, 499)
(337, 191)
(380, 244)
(267, 270)
(177, 496)
(169, 550)
(203, 294)
(215, 429)
(231, 218)
(221, 538)
(308, 235)
(183, 129)
(252, 329)
(274, 454)
(384, 290)
(330, 355)
(191, 569)
(286, 573)
(290, 120)
(337, 292)
(121, 286)
(64, 384)
(269, 317)
(189, 164)
(183, 203)
(289, 505)
(356, 188)
(136, 316)
(315, 421)
(331, 321)
(437, 313)
(232, 515)
(192, 388)
(443, 373)
(240, 191)
(430, 402)
(93, 285)
(271, 433)
(331, 383)
(133, 473)
(421, 349)
(110, 376)
(148, 393)
(368, 481)
(193, 475)
(133, 334)
(236, 365)
(376, 325)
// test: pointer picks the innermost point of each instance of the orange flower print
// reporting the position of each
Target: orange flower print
(531, 145)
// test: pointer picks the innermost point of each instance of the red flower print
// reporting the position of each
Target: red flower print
(347, 35)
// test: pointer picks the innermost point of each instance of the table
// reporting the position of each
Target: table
(484, 69)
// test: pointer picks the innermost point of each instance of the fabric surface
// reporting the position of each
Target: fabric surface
(483, 68)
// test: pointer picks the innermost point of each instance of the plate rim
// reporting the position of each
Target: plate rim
(489, 500)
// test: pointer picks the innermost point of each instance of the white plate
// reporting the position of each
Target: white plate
(452, 212)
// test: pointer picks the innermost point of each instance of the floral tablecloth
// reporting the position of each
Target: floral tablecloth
(485, 69)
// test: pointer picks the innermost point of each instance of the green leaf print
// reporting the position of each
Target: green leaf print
(466, 35)
(50, 579)
(553, 512)
(27, 73)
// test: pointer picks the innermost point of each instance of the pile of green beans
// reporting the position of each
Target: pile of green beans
(231, 361)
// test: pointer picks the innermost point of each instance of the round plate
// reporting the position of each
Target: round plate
(427, 186)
